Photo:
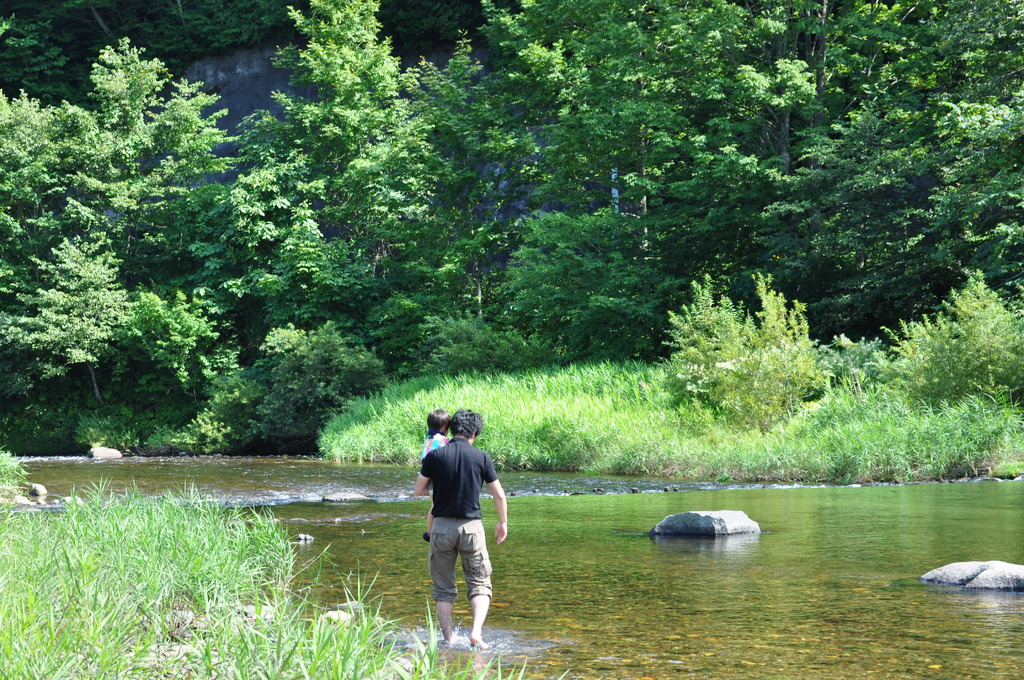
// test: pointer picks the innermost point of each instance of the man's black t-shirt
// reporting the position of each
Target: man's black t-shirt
(458, 472)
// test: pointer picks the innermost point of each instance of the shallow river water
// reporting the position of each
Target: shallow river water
(829, 590)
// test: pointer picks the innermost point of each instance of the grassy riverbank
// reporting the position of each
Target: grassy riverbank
(174, 588)
(618, 418)
(11, 474)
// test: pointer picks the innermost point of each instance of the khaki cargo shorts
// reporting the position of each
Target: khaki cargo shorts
(451, 538)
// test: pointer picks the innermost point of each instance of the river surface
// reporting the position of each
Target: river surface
(829, 590)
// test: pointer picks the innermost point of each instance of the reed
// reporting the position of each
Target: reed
(852, 436)
(591, 418)
(618, 418)
(146, 588)
(12, 474)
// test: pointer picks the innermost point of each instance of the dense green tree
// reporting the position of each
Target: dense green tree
(425, 24)
(614, 97)
(978, 210)
(473, 171)
(883, 217)
(75, 315)
(179, 339)
(588, 287)
(554, 203)
(151, 146)
(49, 46)
(323, 183)
(125, 170)
(33, 185)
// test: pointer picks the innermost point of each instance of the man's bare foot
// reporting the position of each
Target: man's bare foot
(478, 642)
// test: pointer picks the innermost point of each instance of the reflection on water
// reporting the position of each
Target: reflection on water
(735, 544)
(829, 590)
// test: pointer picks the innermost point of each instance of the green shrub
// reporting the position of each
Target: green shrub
(302, 379)
(312, 376)
(111, 427)
(178, 340)
(856, 364)
(229, 421)
(973, 346)
(756, 370)
(453, 346)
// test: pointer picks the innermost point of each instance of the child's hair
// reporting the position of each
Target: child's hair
(438, 419)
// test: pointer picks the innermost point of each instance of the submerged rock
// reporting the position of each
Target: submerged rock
(992, 575)
(340, 497)
(253, 613)
(706, 523)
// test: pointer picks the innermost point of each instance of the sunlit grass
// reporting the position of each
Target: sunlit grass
(874, 436)
(157, 588)
(602, 417)
(617, 418)
(12, 474)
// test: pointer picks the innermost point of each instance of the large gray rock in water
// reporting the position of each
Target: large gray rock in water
(104, 453)
(993, 575)
(706, 523)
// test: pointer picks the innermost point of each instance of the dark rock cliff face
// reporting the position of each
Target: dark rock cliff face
(245, 81)
(438, 56)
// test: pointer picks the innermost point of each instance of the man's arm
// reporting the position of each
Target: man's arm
(501, 507)
(422, 486)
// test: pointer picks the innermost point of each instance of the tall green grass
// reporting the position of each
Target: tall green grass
(12, 474)
(618, 418)
(601, 417)
(137, 588)
(872, 436)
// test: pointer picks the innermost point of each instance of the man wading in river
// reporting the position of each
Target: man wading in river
(458, 471)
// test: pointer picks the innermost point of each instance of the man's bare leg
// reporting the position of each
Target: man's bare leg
(444, 618)
(480, 603)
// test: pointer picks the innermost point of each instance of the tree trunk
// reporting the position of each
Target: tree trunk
(784, 131)
(95, 384)
(99, 20)
(478, 280)
(177, 9)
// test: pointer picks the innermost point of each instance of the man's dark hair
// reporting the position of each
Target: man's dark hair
(466, 423)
